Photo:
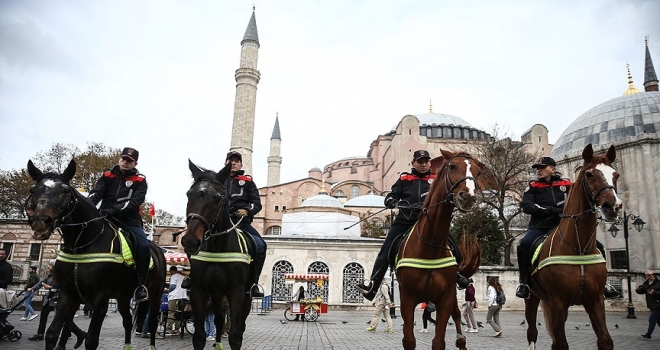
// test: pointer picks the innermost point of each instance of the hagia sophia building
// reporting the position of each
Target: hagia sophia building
(304, 220)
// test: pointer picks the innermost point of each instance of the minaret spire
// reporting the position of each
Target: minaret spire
(650, 79)
(274, 159)
(247, 77)
(631, 88)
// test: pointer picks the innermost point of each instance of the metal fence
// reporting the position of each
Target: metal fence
(263, 306)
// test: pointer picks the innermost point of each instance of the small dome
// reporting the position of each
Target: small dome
(439, 119)
(369, 200)
(615, 120)
(322, 200)
(314, 169)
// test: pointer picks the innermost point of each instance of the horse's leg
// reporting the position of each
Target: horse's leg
(100, 310)
(154, 310)
(442, 315)
(219, 320)
(198, 298)
(556, 314)
(456, 316)
(64, 312)
(407, 310)
(596, 311)
(237, 300)
(531, 311)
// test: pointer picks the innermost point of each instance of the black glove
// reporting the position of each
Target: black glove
(391, 202)
(558, 210)
(108, 212)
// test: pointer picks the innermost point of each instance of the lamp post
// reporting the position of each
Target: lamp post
(638, 223)
(386, 229)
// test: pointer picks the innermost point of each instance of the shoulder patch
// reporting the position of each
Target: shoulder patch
(109, 174)
(244, 178)
(136, 178)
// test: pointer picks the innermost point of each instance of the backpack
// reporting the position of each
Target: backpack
(500, 299)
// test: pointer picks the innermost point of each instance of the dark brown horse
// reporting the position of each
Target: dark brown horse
(219, 262)
(91, 267)
(571, 269)
(426, 269)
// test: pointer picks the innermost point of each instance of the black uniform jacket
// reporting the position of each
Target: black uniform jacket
(243, 194)
(124, 192)
(410, 189)
(544, 201)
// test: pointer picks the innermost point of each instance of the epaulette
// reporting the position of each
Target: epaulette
(410, 177)
(539, 184)
(109, 174)
(136, 178)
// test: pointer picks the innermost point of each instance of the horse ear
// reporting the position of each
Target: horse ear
(224, 173)
(436, 163)
(611, 154)
(70, 171)
(194, 169)
(588, 153)
(446, 154)
(34, 172)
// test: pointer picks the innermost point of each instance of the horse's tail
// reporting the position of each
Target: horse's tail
(471, 250)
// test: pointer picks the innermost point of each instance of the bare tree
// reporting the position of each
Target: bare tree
(14, 189)
(509, 163)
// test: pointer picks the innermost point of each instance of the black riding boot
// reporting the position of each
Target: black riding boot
(141, 293)
(610, 291)
(523, 267)
(461, 281)
(255, 273)
(377, 274)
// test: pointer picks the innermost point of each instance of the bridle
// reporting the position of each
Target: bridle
(61, 220)
(211, 226)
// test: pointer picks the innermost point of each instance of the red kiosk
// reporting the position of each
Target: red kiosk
(309, 309)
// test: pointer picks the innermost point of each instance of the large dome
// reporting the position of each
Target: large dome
(615, 120)
(440, 119)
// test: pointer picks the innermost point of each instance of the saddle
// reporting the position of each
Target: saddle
(128, 245)
(394, 248)
(535, 251)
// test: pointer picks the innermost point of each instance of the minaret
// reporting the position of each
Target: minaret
(650, 79)
(247, 78)
(274, 160)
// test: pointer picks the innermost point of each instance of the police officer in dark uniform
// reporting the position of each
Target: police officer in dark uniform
(121, 191)
(410, 190)
(544, 201)
(244, 204)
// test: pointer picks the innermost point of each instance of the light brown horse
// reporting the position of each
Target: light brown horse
(420, 270)
(579, 277)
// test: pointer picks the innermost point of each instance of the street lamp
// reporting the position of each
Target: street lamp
(638, 223)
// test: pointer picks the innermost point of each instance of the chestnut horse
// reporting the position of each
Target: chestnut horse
(425, 268)
(571, 269)
(219, 261)
(91, 265)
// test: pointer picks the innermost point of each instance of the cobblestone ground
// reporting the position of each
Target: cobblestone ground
(346, 330)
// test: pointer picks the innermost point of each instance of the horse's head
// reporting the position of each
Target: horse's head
(50, 200)
(598, 178)
(460, 175)
(207, 206)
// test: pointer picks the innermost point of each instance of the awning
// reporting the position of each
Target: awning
(176, 258)
(300, 277)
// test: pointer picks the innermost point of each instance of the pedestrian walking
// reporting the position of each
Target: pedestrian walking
(382, 303)
(428, 308)
(493, 316)
(651, 290)
(33, 279)
(468, 313)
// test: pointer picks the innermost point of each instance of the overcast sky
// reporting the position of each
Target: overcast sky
(159, 75)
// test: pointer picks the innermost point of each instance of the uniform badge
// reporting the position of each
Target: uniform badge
(129, 183)
(430, 181)
(241, 182)
(527, 189)
(562, 188)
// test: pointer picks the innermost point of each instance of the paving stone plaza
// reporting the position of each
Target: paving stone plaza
(339, 329)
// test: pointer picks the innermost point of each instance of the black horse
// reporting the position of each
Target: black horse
(219, 257)
(91, 267)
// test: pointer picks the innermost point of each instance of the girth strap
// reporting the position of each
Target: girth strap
(426, 263)
(571, 260)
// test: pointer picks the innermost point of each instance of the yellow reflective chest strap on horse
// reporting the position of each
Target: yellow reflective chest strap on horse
(571, 260)
(428, 264)
(223, 257)
(125, 257)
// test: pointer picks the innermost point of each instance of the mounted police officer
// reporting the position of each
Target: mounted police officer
(121, 192)
(244, 204)
(410, 191)
(544, 201)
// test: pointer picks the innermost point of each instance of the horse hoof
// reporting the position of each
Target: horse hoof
(127, 347)
(218, 346)
(151, 347)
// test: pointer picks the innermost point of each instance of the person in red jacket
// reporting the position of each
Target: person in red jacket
(121, 191)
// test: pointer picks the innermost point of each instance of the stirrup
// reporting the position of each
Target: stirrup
(462, 281)
(522, 291)
(611, 292)
(369, 292)
(141, 294)
(255, 292)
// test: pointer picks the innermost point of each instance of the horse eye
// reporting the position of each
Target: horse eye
(589, 174)
(217, 197)
(452, 166)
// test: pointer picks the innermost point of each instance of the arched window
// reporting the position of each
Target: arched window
(316, 291)
(353, 274)
(355, 192)
(274, 230)
(280, 290)
(339, 193)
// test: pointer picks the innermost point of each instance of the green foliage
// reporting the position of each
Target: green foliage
(372, 227)
(481, 222)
